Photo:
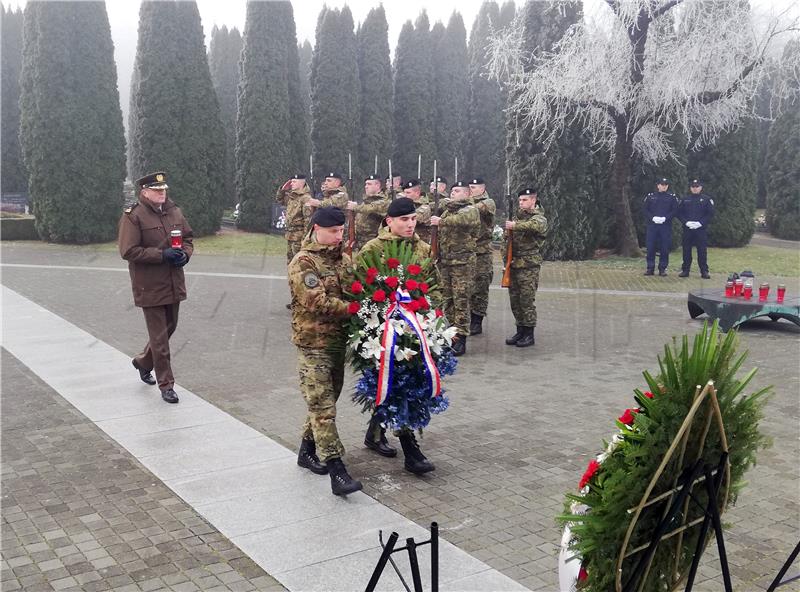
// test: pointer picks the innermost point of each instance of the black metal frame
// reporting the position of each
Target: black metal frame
(411, 548)
(779, 581)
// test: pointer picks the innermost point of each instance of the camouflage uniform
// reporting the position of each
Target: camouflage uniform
(526, 261)
(297, 217)
(484, 269)
(424, 219)
(316, 276)
(369, 216)
(458, 229)
(337, 198)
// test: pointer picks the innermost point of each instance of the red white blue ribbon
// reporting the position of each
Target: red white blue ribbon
(400, 308)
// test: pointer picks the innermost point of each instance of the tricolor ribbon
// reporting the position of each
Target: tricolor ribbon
(400, 308)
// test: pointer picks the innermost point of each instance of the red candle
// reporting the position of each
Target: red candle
(763, 292)
(781, 293)
(177, 239)
(748, 291)
(728, 289)
(738, 285)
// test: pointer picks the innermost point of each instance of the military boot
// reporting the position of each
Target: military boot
(459, 345)
(379, 445)
(475, 324)
(515, 337)
(415, 461)
(341, 482)
(308, 459)
(526, 339)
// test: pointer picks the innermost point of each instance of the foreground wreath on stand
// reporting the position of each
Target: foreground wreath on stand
(694, 409)
(397, 341)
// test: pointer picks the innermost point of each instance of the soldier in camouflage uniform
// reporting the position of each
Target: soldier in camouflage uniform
(334, 193)
(316, 276)
(529, 229)
(294, 194)
(458, 225)
(440, 185)
(401, 220)
(484, 269)
(371, 212)
(412, 189)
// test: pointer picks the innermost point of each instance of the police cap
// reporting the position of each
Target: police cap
(157, 180)
(695, 183)
(662, 181)
(328, 216)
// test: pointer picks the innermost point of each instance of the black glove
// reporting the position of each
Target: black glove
(184, 260)
(172, 256)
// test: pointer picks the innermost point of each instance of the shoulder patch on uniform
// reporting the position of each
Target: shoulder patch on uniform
(130, 209)
(311, 279)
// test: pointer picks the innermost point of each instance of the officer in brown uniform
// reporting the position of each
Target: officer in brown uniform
(316, 276)
(412, 189)
(156, 241)
(371, 212)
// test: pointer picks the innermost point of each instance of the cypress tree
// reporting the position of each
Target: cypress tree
(334, 92)
(563, 173)
(508, 11)
(177, 126)
(783, 187)
(72, 136)
(223, 61)
(375, 76)
(298, 124)
(304, 53)
(12, 171)
(486, 134)
(451, 92)
(265, 151)
(414, 111)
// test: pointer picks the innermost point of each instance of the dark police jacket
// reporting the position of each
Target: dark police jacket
(660, 204)
(697, 208)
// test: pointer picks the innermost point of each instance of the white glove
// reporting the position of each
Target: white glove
(697, 225)
(693, 225)
(659, 219)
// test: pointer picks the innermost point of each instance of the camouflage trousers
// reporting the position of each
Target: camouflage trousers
(456, 284)
(321, 379)
(484, 272)
(292, 249)
(522, 293)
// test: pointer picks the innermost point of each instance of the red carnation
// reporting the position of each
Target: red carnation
(414, 269)
(648, 394)
(593, 467)
(356, 287)
(353, 308)
(439, 313)
(379, 296)
(627, 417)
(411, 285)
(393, 263)
(370, 279)
(392, 296)
(423, 303)
(423, 287)
(392, 281)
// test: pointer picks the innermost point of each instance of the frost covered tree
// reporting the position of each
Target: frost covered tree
(631, 88)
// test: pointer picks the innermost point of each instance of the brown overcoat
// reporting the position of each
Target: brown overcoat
(144, 232)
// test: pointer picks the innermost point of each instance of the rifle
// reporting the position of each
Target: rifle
(310, 183)
(391, 180)
(506, 281)
(435, 229)
(419, 166)
(351, 214)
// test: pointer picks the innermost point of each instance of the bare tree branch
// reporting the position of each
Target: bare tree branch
(668, 6)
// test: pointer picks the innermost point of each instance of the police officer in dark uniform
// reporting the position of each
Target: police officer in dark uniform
(659, 209)
(695, 212)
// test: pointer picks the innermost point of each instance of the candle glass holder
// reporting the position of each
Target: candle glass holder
(176, 239)
(728, 289)
(763, 292)
(781, 293)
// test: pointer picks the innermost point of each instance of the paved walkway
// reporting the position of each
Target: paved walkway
(245, 484)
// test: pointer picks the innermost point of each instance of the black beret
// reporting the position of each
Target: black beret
(334, 175)
(527, 191)
(372, 178)
(299, 176)
(477, 181)
(439, 180)
(157, 180)
(695, 183)
(460, 184)
(402, 206)
(411, 183)
(662, 181)
(328, 216)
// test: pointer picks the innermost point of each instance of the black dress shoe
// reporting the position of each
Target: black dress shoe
(662, 272)
(145, 375)
(649, 272)
(169, 395)
(705, 275)
(683, 274)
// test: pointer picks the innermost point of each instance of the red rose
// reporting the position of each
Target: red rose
(353, 308)
(393, 263)
(392, 281)
(593, 467)
(411, 285)
(379, 296)
(627, 417)
(414, 269)
(582, 574)
(392, 296)
(423, 303)
(423, 287)
(356, 287)
(648, 394)
(439, 313)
